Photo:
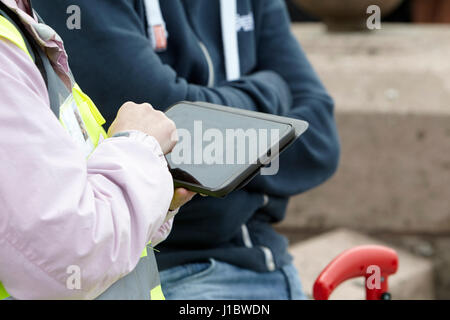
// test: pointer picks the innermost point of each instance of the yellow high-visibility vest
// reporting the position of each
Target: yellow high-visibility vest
(91, 130)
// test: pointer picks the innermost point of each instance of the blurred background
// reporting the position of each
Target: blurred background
(408, 11)
(392, 92)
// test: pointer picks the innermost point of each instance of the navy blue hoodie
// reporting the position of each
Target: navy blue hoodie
(114, 62)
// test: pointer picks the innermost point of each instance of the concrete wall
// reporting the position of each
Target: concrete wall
(392, 92)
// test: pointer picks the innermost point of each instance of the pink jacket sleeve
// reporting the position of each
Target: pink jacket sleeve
(59, 210)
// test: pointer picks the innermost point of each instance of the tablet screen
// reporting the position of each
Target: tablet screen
(217, 146)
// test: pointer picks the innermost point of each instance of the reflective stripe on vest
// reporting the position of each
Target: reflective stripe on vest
(143, 282)
(9, 32)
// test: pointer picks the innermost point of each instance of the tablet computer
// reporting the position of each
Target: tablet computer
(221, 149)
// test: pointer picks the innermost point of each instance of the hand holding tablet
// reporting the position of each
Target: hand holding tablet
(220, 149)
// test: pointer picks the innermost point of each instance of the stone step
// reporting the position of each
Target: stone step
(392, 93)
(393, 176)
(413, 280)
(402, 68)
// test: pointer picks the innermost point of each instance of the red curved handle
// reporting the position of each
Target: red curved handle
(375, 263)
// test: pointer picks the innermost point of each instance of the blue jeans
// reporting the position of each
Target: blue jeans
(216, 280)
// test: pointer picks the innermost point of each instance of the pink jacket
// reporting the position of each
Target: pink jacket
(58, 209)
